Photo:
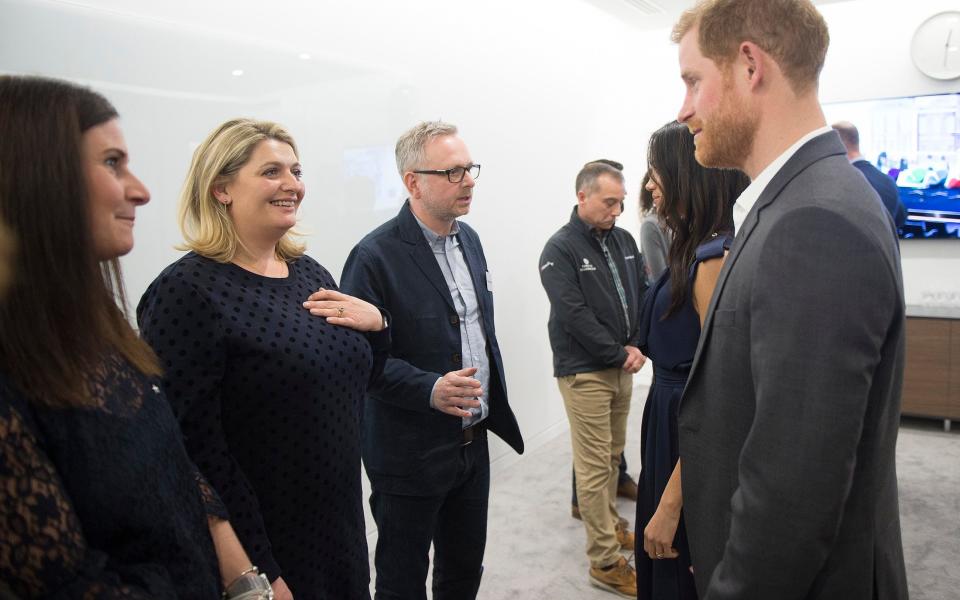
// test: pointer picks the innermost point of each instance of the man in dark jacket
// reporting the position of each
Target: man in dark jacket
(881, 182)
(443, 386)
(593, 276)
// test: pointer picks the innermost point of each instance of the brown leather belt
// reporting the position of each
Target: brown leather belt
(474, 432)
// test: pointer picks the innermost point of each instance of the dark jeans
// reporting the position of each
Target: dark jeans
(621, 478)
(455, 522)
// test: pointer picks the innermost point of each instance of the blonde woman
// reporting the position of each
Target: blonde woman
(267, 393)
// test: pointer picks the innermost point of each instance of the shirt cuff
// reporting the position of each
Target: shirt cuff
(431, 392)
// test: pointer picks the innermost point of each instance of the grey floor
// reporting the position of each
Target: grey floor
(535, 549)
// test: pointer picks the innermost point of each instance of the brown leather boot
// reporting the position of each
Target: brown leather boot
(619, 578)
(627, 489)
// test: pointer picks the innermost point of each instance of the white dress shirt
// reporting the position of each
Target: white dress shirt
(750, 195)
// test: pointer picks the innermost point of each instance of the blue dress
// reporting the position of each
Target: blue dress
(670, 344)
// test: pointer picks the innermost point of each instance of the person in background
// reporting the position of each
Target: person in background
(788, 423)
(593, 276)
(655, 236)
(98, 497)
(695, 204)
(885, 186)
(626, 486)
(266, 383)
(427, 416)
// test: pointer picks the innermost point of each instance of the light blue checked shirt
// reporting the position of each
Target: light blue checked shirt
(473, 342)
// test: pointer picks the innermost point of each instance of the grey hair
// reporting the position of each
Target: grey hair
(588, 175)
(411, 144)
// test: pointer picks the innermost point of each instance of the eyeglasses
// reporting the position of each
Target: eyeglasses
(455, 174)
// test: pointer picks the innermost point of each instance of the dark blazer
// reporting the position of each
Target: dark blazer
(887, 190)
(788, 424)
(408, 447)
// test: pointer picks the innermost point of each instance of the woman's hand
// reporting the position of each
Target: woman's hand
(347, 311)
(280, 590)
(659, 533)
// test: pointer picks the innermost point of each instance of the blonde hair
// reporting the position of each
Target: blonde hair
(793, 32)
(409, 150)
(205, 222)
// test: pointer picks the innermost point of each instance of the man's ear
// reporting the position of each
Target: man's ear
(752, 61)
(581, 197)
(412, 183)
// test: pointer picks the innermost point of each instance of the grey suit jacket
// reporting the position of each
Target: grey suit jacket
(788, 425)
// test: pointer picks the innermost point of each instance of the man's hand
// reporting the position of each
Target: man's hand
(635, 359)
(456, 391)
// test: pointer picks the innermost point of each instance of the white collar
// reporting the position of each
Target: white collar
(750, 195)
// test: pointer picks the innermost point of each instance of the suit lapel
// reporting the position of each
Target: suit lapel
(475, 264)
(822, 146)
(421, 254)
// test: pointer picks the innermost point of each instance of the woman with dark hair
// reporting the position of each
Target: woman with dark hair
(97, 495)
(654, 236)
(267, 387)
(696, 205)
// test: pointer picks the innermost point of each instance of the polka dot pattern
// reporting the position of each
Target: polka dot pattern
(269, 399)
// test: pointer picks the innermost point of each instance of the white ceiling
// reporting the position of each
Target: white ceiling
(649, 17)
(189, 47)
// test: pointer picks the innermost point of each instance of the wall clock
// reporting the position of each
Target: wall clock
(936, 46)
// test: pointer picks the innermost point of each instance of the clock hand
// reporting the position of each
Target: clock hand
(946, 49)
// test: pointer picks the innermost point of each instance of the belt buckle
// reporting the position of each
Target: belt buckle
(469, 434)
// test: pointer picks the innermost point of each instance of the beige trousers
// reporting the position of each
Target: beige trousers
(597, 406)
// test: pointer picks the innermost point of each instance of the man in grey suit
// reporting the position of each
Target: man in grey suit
(788, 424)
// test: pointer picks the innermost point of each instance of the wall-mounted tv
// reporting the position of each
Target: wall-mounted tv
(915, 141)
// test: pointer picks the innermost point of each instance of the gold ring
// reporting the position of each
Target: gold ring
(659, 554)
(340, 312)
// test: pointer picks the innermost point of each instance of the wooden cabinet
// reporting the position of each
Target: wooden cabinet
(931, 378)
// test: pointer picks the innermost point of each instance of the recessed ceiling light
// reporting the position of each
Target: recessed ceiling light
(304, 56)
(237, 72)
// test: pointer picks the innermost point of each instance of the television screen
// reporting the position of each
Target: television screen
(916, 142)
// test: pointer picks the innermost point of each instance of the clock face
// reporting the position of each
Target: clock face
(936, 46)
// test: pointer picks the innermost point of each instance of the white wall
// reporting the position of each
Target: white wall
(537, 87)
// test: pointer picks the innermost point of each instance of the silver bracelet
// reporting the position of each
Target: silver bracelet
(249, 585)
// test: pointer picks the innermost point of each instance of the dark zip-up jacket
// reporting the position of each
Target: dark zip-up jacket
(587, 323)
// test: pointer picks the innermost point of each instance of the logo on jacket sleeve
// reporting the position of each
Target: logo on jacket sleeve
(586, 266)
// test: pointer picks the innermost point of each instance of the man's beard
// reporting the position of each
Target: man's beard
(727, 140)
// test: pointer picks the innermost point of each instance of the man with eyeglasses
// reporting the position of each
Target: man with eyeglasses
(427, 415)
(593, 275)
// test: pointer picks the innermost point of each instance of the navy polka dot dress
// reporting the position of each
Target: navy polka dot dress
(269, 399)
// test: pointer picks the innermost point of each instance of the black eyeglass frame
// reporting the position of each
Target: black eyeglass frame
(449, 172)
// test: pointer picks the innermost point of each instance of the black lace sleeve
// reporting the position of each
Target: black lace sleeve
(212, 503)
(43, 552)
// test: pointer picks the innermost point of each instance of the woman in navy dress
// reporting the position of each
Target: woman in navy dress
(696, 205)
(266, 373)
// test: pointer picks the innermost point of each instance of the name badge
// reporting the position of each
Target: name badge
(489, 282)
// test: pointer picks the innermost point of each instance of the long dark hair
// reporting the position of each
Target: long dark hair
(646, 196)
(697, 202)
(60, 318)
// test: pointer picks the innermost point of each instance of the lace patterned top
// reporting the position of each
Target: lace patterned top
(102, 501)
